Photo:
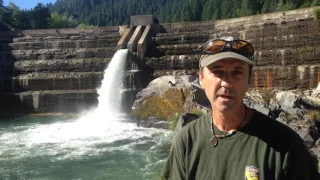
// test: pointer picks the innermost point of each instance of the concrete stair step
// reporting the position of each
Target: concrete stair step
(51, 81)
(61, 65)
(176, 38)
(204, 26)
(174, 62)
(49, 101)
(63, 44)
(50, 54)
(65, 37)
(178, 49)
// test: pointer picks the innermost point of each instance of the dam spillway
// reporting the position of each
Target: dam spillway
(59, 70)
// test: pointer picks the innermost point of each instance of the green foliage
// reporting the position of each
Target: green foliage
(84, 26)
(315, 3)
(174, 120)
(157, 176)
(317, 14)
(40, 17)
(110, 13)
(288, 117)
(198, 112)
(314, 115)
(36, 18)
(62, 21)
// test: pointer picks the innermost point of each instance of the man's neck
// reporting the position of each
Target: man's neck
(230, 120)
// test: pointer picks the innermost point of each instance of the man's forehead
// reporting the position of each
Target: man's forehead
(228, 62)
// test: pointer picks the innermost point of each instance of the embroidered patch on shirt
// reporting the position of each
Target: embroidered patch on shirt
(252, 173)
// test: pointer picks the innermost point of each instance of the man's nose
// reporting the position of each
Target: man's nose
(226, 81)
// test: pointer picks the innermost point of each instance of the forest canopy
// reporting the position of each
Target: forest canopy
(73, 13)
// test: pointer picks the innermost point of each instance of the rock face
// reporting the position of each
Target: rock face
(167, 96)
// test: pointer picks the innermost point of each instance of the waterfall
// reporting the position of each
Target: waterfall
(110, 92)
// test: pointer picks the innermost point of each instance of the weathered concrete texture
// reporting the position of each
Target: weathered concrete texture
(48, 101)
(71, 31)
(51, 81)
(174, 62)
(69, 65)
(181, 38)
(277, 18)
(54, 70)
(286, 78)
(48, 54)
(286, 46)
(97, 43)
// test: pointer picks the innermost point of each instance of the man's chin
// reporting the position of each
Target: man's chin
(224, 107)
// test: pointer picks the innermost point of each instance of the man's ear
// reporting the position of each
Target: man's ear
(201, 79)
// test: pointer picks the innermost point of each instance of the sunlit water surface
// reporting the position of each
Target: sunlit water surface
(62, 148)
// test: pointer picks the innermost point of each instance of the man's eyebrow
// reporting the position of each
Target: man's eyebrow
(239, 68)
(216, 67)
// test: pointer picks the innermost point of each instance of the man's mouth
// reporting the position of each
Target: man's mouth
(225, 96)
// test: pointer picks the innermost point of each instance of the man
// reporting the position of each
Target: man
(233, 141)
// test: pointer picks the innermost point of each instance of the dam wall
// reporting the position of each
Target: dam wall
(286, 44)
(60, 70)
(54, 70)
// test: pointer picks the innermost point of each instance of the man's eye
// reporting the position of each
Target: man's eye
(237, 72)
(218, 73)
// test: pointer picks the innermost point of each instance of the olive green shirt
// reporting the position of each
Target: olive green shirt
(263, 149)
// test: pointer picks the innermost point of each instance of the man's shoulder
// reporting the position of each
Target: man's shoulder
(272, 127)
(190, 125)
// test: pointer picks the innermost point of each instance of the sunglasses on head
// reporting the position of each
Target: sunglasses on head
(241, 47)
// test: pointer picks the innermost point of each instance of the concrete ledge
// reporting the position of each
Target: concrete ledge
(287, 16)
(71, 31)
(132, 44)
(122, 44)
(143, 20)
(48, 101)
(143, 43)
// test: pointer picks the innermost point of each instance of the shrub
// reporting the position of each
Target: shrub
(198, 112)
(317, 14)
(174, 120)
(287, 117)
(314, 115)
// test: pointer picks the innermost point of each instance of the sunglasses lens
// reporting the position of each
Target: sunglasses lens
(243, 48)
(214, 46)
(238, 46)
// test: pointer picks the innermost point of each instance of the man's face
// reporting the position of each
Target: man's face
(225, 83)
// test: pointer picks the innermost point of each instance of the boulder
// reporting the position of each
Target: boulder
(168, 95)
(288, 101)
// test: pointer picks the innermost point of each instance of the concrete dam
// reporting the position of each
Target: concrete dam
(60, 70)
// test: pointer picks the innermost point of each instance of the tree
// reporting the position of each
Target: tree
(226, 9)
(196, 9)
(315, 3)
(40, 17)
(268, 6)
(217, 12)
(185, 15)
(208, 10)
(248, 8)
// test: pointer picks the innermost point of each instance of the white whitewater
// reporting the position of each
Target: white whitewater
(101, 125)
(112, 84)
